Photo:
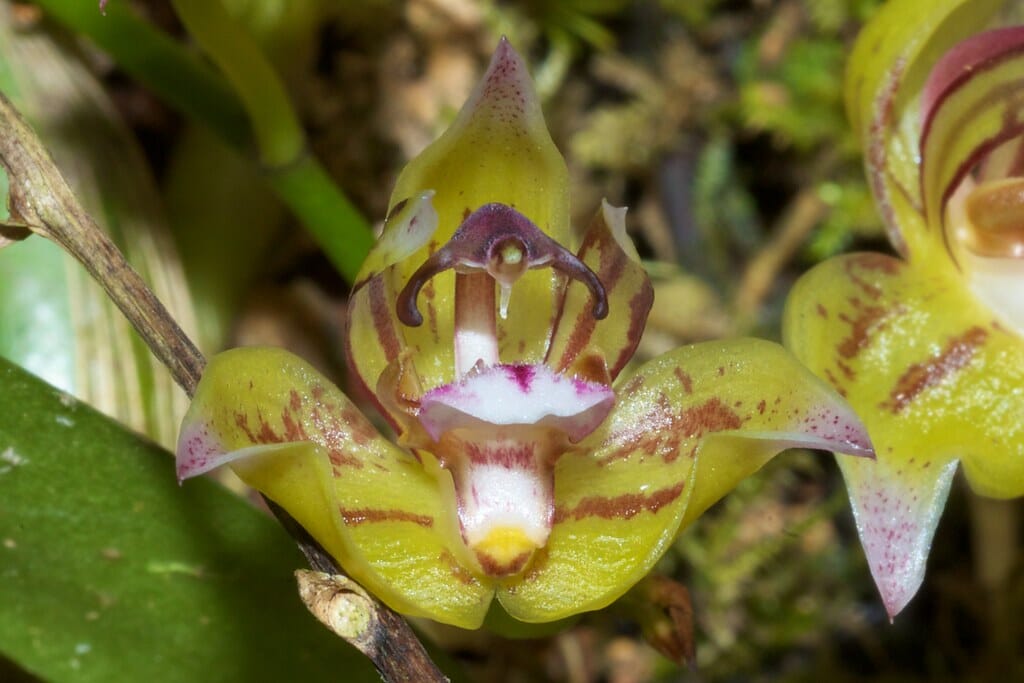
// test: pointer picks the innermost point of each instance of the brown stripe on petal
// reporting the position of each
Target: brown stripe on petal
(359, 428)
(836, 384)
(861, 327)
(872, 291)
(626, 506)
(340, 458)
(612, 263)
(921, 376)
(877, 150)
(293, 429)
(266, 433)
(685, 380)
(664, 430)
(460, 573)
(375, 515)
(639, 307)
(429, 293)
(875, 262)
(631, 387)
(340, 434)
(383, 319)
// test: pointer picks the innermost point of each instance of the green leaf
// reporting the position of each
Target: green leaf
(111, 572)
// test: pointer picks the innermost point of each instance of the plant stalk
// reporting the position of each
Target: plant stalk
(40, 200)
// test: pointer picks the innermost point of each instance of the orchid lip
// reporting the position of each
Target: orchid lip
(498, 240)
(499, 430)
(517, 396)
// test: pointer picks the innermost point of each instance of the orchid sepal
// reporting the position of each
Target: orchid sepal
(497, 150)
(386, 516)
(368, 502)
(931, 372)
(622, 498)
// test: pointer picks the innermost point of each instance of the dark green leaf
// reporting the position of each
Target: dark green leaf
(111, 572)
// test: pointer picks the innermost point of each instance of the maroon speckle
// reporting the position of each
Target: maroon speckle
(664, 430)
(522, 375)
(507, 454)
(685, 380)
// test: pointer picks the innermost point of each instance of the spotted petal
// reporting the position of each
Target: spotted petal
(687, 427)
(935, 379)
(294, 436)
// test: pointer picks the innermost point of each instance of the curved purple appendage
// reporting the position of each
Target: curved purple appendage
(406, 309)
(481, 242)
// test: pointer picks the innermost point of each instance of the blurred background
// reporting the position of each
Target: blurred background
(718, 122)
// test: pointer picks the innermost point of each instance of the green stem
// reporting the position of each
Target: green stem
(190, 86)
(176, 76)
(324, 211)
(278, 133)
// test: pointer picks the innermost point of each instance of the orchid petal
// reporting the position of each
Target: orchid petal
(687, 427)
(408, 228)
(887, 71)
(936, 381)
(374, 338)
(609, 252)
(383, 514)
(498, 150)
(972, 104)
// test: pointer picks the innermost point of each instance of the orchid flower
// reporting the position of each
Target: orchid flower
(928, 347)
(522, 470)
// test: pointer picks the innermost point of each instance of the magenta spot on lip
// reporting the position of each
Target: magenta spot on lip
(522, 375)
(585, 388)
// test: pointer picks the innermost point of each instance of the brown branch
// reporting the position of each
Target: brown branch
(40, 201)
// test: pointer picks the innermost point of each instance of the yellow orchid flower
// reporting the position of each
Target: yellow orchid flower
(523, 470)
(928, 347)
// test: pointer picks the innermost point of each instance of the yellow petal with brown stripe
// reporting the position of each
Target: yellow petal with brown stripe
(608, 251)
(291, 434)
(686, 428)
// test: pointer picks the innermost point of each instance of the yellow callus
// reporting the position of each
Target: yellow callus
(505, 548)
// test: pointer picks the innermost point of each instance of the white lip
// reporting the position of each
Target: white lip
(507, 395)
